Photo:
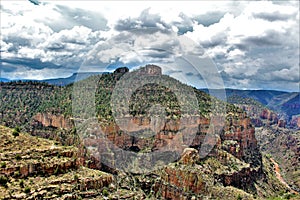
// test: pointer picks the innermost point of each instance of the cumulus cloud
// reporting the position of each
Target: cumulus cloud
(259, 45)
(29, 41)
(133, 47)
(209, 18)
(70, 17)
(254, 44)
(144, 21)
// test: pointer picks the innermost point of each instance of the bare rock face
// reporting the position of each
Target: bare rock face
(150, 70)
(50, 120)
(263, 116)
(295, 122)
(281, 123)
(176, 181)
(194, 130)
(257, 122)
(270, 116)
(182, 180)
(49, 169)
(239, 129)
(189, 156)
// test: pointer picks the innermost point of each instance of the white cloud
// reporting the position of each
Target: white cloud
(248, 40)
(236, 53)
(212, 34)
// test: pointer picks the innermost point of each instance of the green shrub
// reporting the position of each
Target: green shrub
(18, 157)
(15, 133)
(268, 155)
(17, 129)
(56, 171)
(105, 192)
(3, 165)
(22, 183)
(76, 178)
(3, 180)
(27, 190)
(17, 174)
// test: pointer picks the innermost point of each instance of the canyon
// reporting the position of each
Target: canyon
(176, 155)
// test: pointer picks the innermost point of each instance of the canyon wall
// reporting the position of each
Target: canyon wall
(52, 120)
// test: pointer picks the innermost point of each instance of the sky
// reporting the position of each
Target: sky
(249, 44)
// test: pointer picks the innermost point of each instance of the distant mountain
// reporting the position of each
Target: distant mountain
(60, 81)
(71, 79)
(287, 103)
(262, 96)
(4, 80)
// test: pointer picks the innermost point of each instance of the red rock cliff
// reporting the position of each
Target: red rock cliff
(57, 121)
(295, 122)
(237, 136)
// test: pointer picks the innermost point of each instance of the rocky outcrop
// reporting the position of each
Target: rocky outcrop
(262, 116)
(244, 146)
(186, 132)
(270, 116)
(176, 182)
(257, 122)
(242, 179)
(284, 146)
(150, 70)
(194, 178)
(51, 120)
(41, 163)
(295, 122)
(281, 123)
(189, 156)
(45, 169)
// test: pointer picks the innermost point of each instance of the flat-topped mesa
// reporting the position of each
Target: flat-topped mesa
(150, 69)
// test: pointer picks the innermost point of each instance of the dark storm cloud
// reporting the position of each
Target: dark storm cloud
(151, 22)
(185, 25)
(268, 38)
(225, 76)
(254, 44)
(216, 40)
(157, 53)
(209, 18)
(30, 63)
(56, 47)
(71, 17)
(35, 2)
(73, 41)
(17, 41)
(241, 46)
(278, 73)
(170, 72)
(7, 67)
(275, 16)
